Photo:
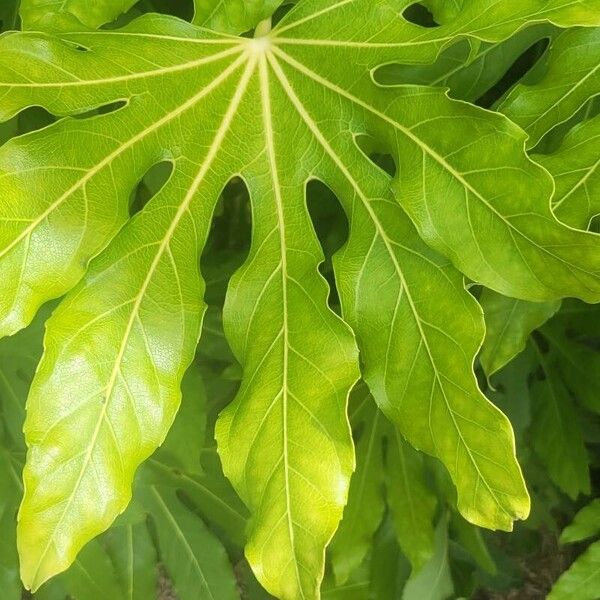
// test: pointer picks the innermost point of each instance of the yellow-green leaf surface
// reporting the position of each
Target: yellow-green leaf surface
(572, 77)
(575, 167)
(276, 110)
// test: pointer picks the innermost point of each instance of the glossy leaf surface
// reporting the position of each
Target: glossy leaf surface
(273, 112)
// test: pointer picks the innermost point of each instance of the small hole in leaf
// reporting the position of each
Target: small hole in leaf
(150, 184)
(332, 229)
(105, 109)
(75, 46)
(33, 119)
(281, 12)
(376, 153)
(419, 14)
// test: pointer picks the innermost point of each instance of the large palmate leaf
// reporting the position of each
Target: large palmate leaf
(272, 111)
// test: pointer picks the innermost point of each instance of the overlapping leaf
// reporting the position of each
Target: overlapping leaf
(71, 15)
(273, 111)
(575, 167)
(572, 77)
(509, 323)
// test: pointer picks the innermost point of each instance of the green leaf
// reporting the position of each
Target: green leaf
(233, 16)
(365, 508)
(582, 580)
(183, 445)
(70, 15)
(10, 495)
(468, 72)
(497, 236)
(575, 167)
(389, 569)
(571, 357)
(9, 11)
(134, 556)
(509, 322)
(434, 581)
(194, 557)
(412, 503)
(556, 434)
(572, 77)
(586, 524)
(472, 540)
(92, 575)
(19, 356)
(423, 379)
(276, 111)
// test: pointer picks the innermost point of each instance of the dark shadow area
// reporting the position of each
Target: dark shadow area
(524, 65)
(377, 154)
(332, 229)
(150, 184)
(419, 14)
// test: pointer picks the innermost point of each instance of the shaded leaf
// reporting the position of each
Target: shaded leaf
(556, 434)
(575, 167)
(92, 575)
(365, 508)
(134, 556)
(572, 77)
(434, 581)
(195, 559)
(586, 524)
(412, 503)
(582, 580)
(509, 322)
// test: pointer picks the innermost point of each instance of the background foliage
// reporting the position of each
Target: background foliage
(402, 535)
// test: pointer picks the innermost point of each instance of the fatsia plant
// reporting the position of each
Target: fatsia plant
(297, 100)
